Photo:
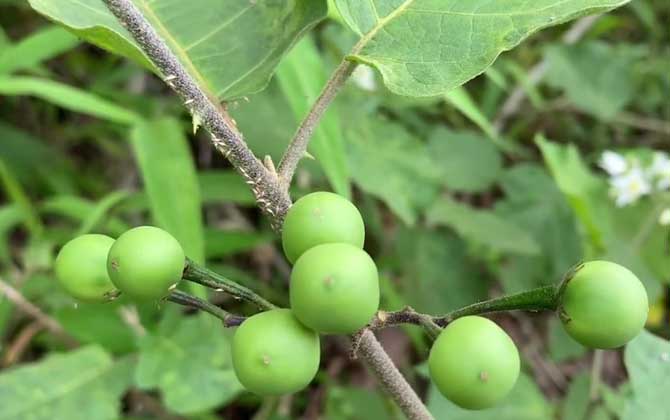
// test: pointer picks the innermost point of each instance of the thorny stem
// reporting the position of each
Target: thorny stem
(271, 195)
(208, 278)
(298, 147)
(229, 320)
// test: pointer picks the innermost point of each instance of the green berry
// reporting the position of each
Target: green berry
(604, 305)
(474, 363)
(145, 263)
(334, 288)
(81, 268)
(321, 218)
(274, 354)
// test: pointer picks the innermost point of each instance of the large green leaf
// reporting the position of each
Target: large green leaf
(482, 227)
(647, 360)
(169, 177)
(302, 76)
(231, 47)
(190, 364)
(428, 47)
(84, 384)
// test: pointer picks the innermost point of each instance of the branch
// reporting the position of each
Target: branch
(298, 147)
(270, 194)
(208, 278)
(392, 380)
(515, 99)
(229, 320)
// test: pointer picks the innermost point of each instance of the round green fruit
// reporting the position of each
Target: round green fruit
(334, 288)
(321, 218)
(474, 363)
(603, 305)
(81, 268)
(274, 354)
(145, 263)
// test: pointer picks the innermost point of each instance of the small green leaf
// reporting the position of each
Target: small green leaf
(35, 48)
(596, 77)
(169, 177)
(223, 243)
(389, 163)
(647, 360)
(15, 192)
(460, 99)
(96, 215)
(482, 227)
(230, 47)
(428, 47)
(302, 76)
(67, 97)
(224, 186)
(83, 384)
(190, 365)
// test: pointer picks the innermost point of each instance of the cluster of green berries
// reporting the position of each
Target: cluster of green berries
(144, 263)
(334, 289)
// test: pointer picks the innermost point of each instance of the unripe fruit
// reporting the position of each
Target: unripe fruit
(604, 305)
(334, 288)
(321, 218)
(81, 268)
(274, 354)
(145, 263)
(474, 363)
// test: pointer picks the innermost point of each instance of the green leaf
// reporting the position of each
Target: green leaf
(15, 192)
(35, 48)
(460, 99)
(576, 402)
(561, 346)
(95, 216)
(190, 364)
(467, 161)
(349, 403)
(230, 47)
(387, 162)
(483, 227)
(11, 215)
(525, 402)
(647, 360)
(83, 384)
(79, 210)
(67, 97)
(437, 275)
(428, 47)
(596, 77)
(169, 177)
(302, 76)
(224, 186)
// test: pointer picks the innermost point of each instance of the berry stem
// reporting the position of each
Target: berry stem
(539, 299)
(208, 278)
(182, 298)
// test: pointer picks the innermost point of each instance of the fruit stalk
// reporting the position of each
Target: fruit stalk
(208, 278)
(181, 298)
(540, 299)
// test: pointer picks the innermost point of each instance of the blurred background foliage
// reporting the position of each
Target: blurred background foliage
(464, 198)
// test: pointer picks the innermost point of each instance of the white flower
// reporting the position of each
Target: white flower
(613, 163)
(660, 170)
(364, 77)
(627, 188)
(664, 217)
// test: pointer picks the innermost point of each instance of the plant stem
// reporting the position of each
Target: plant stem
(229, 320)
(298, 147)
(542, 298)
(596, 368)
(407, 315)
(271, 196)
(206, 277)
(392, 380)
